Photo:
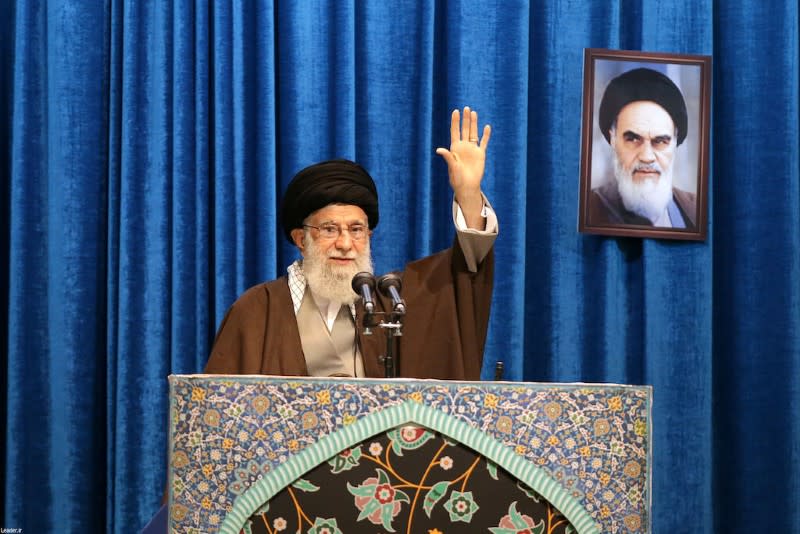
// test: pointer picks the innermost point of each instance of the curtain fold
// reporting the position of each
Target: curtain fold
(147, 145)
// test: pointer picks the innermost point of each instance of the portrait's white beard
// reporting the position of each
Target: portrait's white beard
(331, 281)
(648, 198)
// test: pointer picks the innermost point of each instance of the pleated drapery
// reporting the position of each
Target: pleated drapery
(146, 145)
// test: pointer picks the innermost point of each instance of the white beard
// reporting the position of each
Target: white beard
(333, 282)
(649, 198)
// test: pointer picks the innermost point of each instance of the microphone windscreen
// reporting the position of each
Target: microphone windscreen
(363, 278)
(389, 280)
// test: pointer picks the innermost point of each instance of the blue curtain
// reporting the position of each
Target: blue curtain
(144, 147)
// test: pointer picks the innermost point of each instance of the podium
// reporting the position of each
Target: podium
(276, 455)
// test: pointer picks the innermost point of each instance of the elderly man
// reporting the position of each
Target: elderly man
(643, 117)
(308, 322)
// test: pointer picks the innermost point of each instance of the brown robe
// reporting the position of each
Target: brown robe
(444, 331)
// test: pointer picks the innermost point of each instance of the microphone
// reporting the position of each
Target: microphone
(364, 284)
(389, 285)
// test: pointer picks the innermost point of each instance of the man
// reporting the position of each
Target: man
(309, 322)
(643, 117)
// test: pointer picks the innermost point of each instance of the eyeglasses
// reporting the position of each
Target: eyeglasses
(330, 231)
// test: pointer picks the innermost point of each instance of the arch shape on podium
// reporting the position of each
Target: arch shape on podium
(409, 412)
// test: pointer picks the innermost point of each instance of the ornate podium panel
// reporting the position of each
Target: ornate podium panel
(275, 454)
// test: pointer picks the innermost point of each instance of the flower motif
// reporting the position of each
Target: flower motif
(211, 418)
(378, 500)
(633, 522)
(552, 410)
(180, 459)
(490, 400)
(615, 404)
(601, 427)
(640, 427)
(632, 469)
(323, 397)
(279, 524)
(260, 404)
(504, 424)
(461, 506)
(179, 512)
(198, 394)
(446, 463)
(324, 526)
(309, 420)
(375, 449)
(516, 523)
(349, 419)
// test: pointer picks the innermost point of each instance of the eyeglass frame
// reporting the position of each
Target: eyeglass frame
(325, 226)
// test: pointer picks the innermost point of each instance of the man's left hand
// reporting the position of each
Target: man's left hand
(466, 161)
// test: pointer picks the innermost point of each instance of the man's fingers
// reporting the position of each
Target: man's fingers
(466, 123)
(473, 127)
(455, 127)
(487, 133)
(447, 155)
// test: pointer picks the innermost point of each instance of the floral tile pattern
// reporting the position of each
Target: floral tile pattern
(229, 433)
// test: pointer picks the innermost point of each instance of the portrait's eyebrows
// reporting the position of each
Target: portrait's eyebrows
(630, 135)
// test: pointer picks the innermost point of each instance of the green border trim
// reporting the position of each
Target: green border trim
(408, 412)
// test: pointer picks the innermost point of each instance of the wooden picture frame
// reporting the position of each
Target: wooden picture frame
(640, 177)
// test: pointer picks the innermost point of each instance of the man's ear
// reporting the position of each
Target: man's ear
(297, 237)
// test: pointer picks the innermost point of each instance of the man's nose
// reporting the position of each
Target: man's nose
(646, 154)
(344, 241)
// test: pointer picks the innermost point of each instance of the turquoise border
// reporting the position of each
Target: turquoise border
(408, 412)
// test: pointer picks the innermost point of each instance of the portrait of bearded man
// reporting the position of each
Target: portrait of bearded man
(643, 117)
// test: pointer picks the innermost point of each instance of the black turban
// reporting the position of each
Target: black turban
(643, 84)
(337, 181)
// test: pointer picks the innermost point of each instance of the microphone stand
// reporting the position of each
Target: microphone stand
(392, 330)
(389, 285)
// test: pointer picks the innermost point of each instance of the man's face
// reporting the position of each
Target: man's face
(335, 247)
(644, 140)
(342, 248)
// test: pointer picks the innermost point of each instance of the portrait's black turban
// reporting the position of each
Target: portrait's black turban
(338, 181)
(642, 84)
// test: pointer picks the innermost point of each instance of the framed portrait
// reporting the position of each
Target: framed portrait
(644, 144)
